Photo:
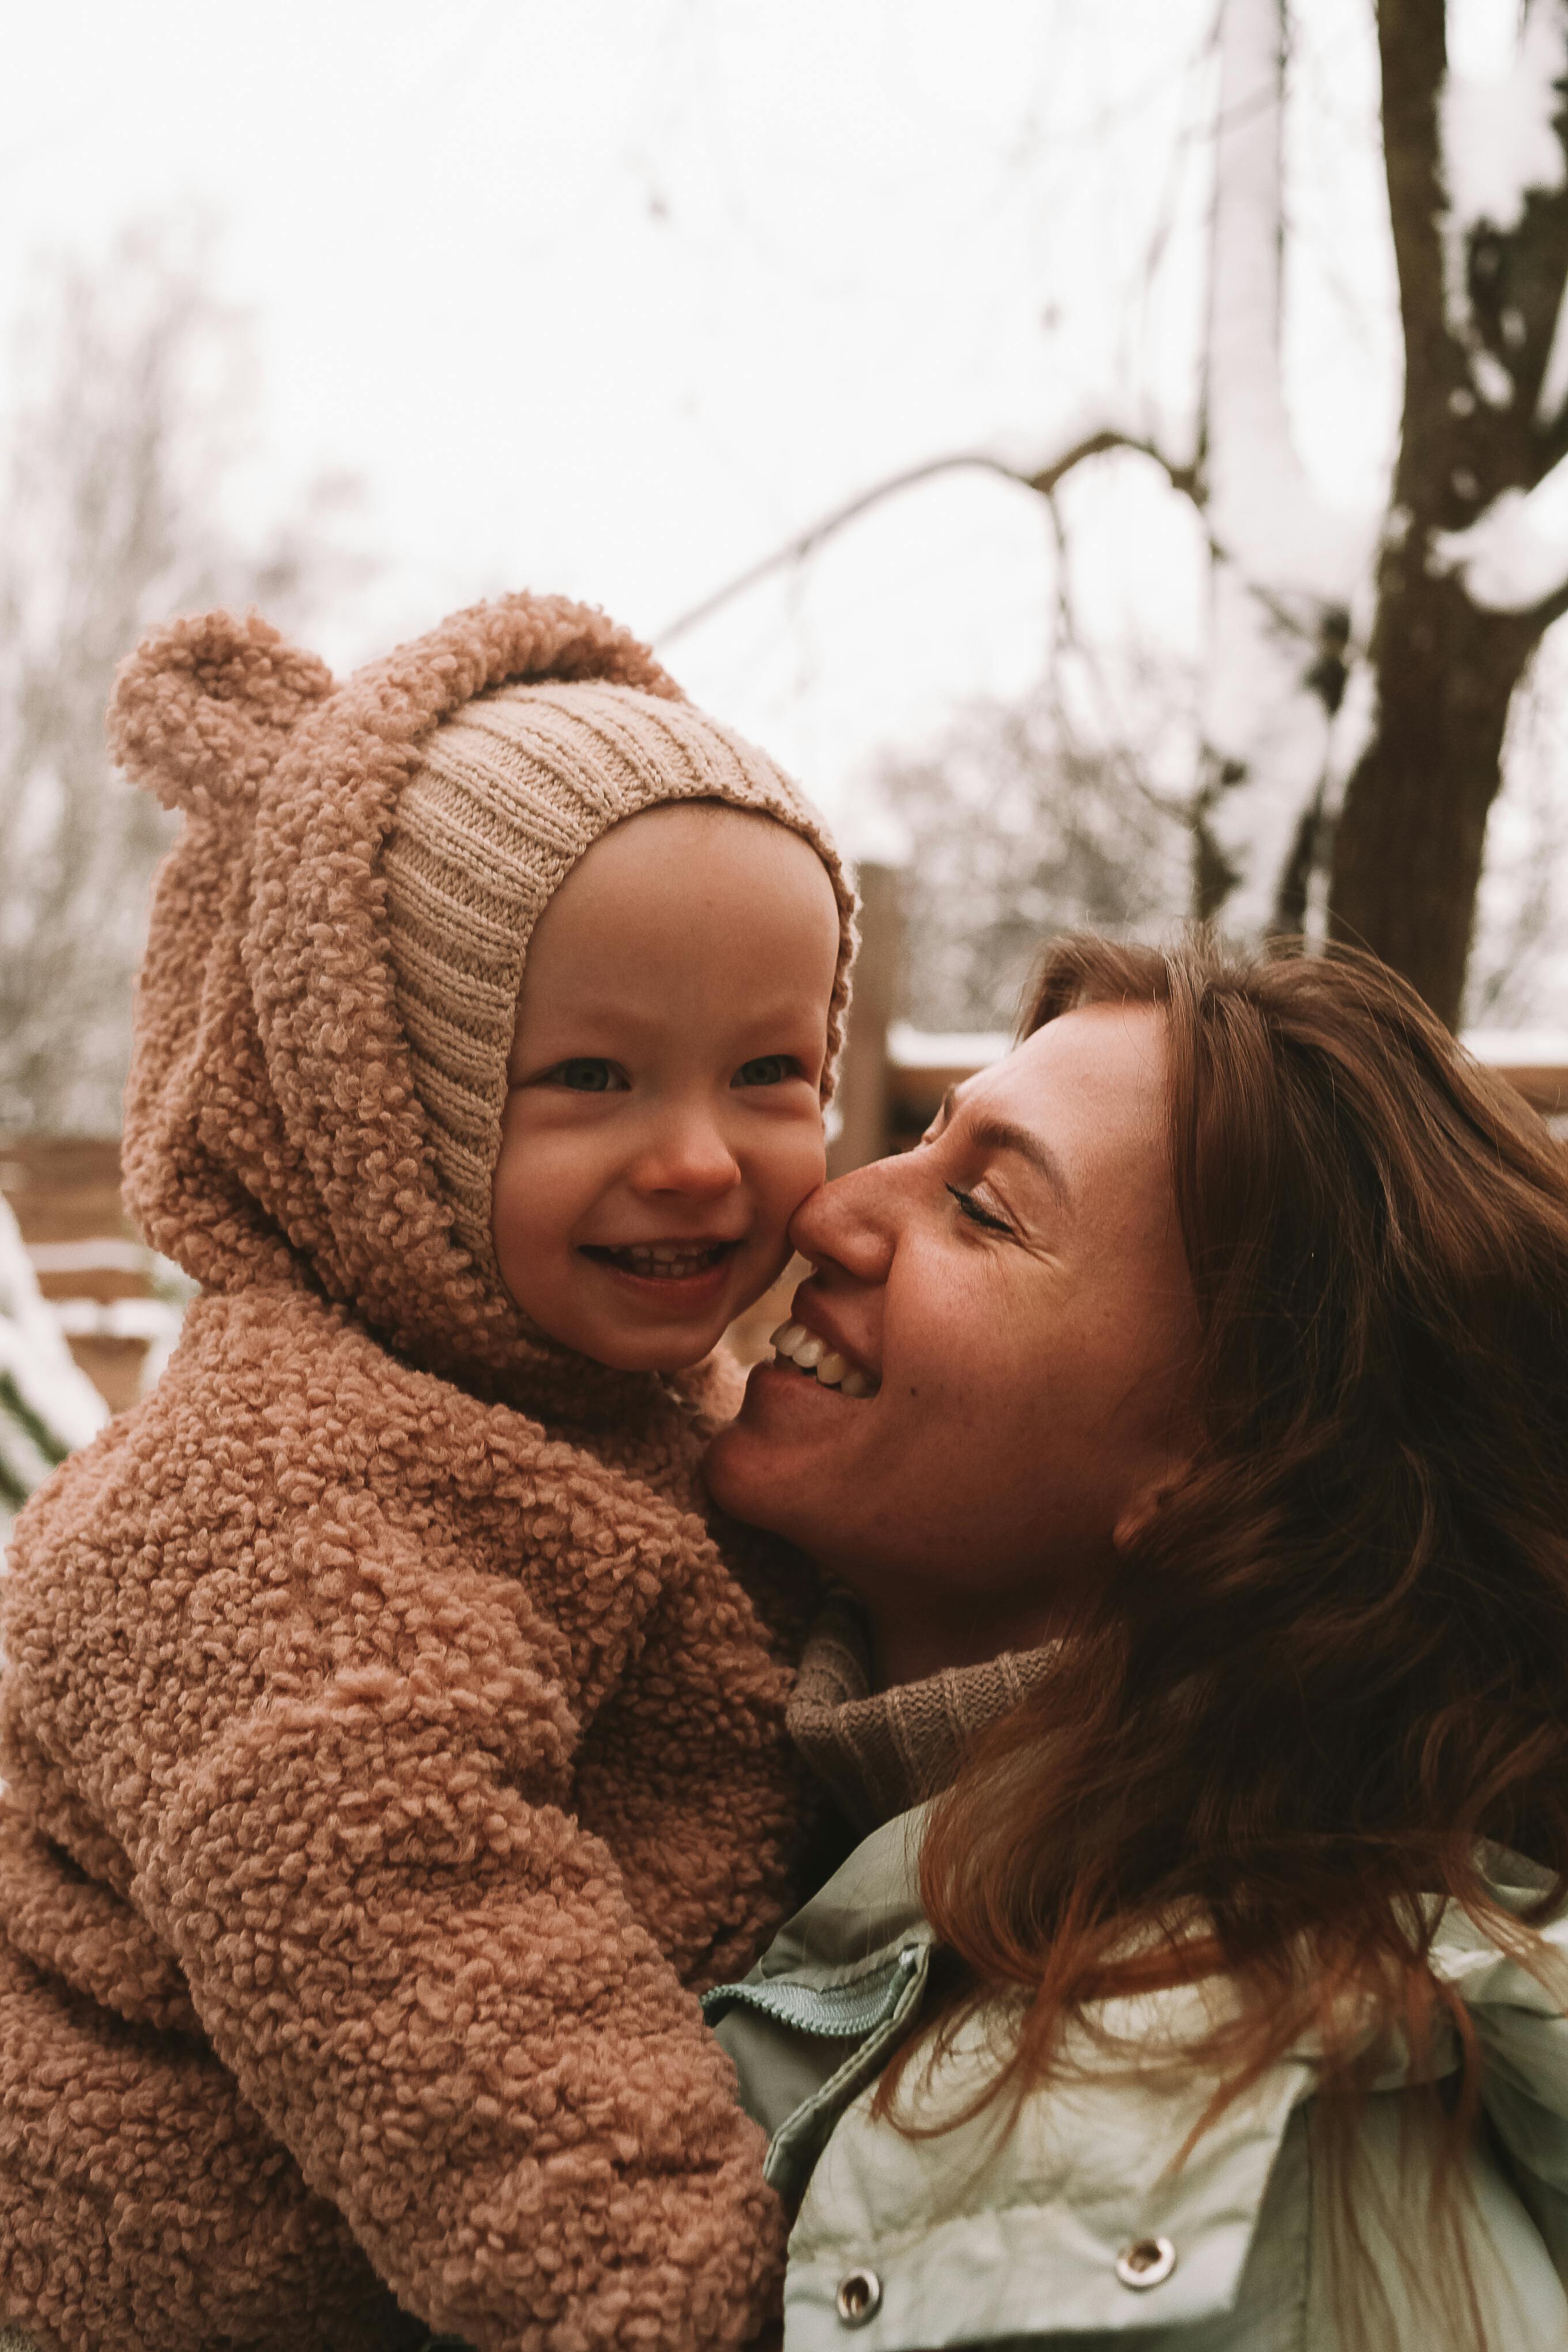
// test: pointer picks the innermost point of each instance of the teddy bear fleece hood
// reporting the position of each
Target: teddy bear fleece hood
(391, 1756)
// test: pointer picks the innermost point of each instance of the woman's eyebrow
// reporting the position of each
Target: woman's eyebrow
(993, 1133)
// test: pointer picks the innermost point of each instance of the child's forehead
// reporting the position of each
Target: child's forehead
(700, 826)
(702, 934)
(688, 863)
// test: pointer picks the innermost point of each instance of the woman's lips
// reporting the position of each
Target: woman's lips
(828, 1367)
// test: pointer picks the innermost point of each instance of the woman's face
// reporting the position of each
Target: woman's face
(1015, 1288)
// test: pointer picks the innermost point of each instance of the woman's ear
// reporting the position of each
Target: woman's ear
(202, 709)
(1149, 1499)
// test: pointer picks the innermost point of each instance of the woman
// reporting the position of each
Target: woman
(1208, 1521)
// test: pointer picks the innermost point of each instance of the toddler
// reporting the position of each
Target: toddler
(390, 1753)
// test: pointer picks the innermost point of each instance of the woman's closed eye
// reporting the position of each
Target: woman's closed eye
(766, 1070)
(587, 1074)
(976, 1212)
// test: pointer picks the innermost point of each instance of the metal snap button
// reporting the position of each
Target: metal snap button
(859, 2294)
(1146, 2262)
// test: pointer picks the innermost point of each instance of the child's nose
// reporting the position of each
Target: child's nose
(687, 1153)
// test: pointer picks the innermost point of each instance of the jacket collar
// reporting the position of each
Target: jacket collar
(1109, 2156)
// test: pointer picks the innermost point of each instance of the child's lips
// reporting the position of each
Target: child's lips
(682, 1274)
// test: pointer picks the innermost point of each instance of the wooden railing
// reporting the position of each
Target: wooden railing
(119, 1303)
(893, 1076)
(116, 1299)
(921, 1067)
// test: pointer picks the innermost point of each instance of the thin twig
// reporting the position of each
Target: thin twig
(806, 542)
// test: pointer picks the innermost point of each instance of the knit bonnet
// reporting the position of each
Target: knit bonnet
(511, 791)
(326, 1007)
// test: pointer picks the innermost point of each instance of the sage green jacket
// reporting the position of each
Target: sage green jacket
(1075, 2223)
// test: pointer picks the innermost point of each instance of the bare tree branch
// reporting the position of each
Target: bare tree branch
(1099, 444)
(129, 401)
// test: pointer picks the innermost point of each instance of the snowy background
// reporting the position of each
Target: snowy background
(614, 299)
(379, 307)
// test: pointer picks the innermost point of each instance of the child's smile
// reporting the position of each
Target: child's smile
(684, 1276)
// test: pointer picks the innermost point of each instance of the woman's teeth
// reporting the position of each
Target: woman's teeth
(802, 1349)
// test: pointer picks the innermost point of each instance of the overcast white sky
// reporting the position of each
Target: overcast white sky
(612, 297)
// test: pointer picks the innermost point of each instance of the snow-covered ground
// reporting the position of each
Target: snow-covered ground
(47, 1404)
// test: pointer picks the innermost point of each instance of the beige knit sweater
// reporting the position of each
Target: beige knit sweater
(879, 1751)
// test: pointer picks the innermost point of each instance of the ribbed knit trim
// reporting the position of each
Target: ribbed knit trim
(511, 790)
(880, 1752)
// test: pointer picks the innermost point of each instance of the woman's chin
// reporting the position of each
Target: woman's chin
(786, 1422)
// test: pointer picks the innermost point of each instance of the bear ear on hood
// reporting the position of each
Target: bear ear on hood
(202, 709)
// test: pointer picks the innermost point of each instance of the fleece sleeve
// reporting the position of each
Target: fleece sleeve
(428, 1980)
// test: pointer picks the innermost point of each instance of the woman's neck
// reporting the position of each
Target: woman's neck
(915, 1633)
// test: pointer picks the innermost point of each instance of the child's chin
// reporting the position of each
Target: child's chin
(682, 1360)
(647, 1351)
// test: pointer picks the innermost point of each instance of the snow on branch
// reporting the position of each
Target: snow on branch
(1263, 511)
(1285, 565)
(1514, 557)
(1499, 142)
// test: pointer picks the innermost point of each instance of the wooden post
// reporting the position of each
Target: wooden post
(862, 1098)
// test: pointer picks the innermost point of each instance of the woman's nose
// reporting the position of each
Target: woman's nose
(687, 1153)
(851, 1224)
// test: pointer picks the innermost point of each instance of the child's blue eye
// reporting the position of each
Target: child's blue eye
(767, 1070)
(588, 1077)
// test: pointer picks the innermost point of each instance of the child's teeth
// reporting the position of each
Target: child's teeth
(810, 1352)
(831, 1369)
(666, 1258)
(854, 1384)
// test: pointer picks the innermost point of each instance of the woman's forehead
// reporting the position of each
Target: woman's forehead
(1089, 1087)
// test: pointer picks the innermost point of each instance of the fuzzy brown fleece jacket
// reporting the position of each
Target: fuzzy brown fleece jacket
(390, 1753)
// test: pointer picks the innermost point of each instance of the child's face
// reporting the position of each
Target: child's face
(663, 1121)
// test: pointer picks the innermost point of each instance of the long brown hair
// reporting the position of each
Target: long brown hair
(1336, 1660)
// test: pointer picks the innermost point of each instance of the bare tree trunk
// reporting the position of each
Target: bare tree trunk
(1408, 846)
(1479, 319)
(1471, 566)
(878, 986)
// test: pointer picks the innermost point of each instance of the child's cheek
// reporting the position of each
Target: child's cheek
(797, 1167)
